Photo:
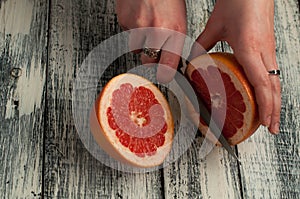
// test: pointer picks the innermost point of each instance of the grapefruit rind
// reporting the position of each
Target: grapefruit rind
(106, 137)
(227, 63)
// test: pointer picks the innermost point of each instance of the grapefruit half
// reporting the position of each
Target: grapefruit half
(132, 121)
(238, 100)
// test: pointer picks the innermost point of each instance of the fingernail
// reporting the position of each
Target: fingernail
(276, 128)
(267, 121)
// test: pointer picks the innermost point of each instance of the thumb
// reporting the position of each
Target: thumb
(206, 40)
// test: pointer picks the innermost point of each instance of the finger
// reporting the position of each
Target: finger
(123, 27)
(170, 57)
(168, 64)
(269, 59)
(275, 121)
(259, 78)
(137, 39)
(206, 40)
(155, 38)
(147, 60)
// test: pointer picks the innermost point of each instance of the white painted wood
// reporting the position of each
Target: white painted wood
(23, 26)
(270, 164)
(70, 170)
(33, 106)
(192, 176)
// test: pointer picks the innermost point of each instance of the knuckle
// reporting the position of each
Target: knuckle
(141, 21)
(276, 87)
(180, 27)
(249, 42)
(263, 81)
(276, 115)
(157, 22)
(169, 61)
(266, 108)
(176, 26)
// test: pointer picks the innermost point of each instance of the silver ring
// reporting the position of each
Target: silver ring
(151, 52)
(274, 72)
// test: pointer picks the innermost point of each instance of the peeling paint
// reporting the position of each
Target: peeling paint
(28, 92)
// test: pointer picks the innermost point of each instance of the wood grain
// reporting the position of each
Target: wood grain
(193, 176)
(270, 164)
(23, 26)
(71, 171)
(41, 153)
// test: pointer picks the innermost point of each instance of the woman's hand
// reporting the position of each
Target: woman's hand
(167, 14)
(248, 27)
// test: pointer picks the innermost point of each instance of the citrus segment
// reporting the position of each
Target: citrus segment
(136, 111)
(133, 121)
(235, 104)
(237, 101)
(141, 101)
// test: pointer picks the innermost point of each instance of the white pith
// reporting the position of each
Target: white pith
(113, 140)
(216, 100)
(135, 117)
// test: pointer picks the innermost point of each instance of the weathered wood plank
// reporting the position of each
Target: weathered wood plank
(193, 176)
(270, 164)
(23, 33)
(71, 171)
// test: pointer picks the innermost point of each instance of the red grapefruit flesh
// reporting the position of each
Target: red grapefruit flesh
(238, 100)
(132, 121)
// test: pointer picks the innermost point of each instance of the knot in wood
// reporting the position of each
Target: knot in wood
(16, 72)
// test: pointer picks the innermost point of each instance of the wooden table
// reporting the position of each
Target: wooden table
(42, 46)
